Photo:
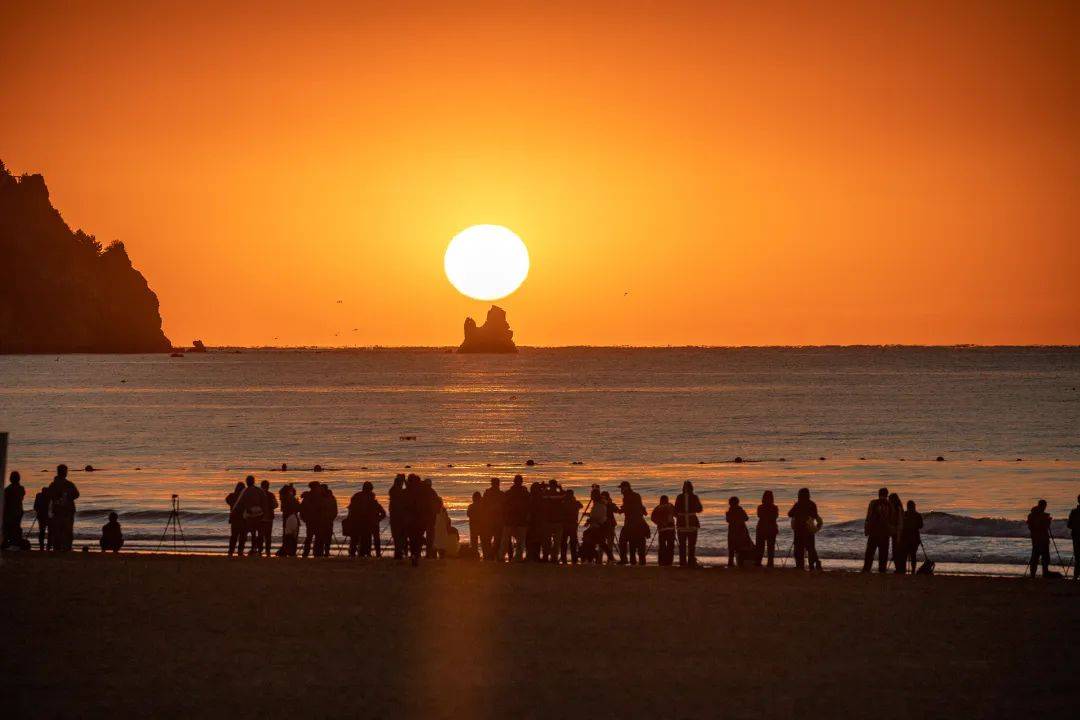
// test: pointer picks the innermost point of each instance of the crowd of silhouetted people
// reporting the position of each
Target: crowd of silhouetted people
(541, 522)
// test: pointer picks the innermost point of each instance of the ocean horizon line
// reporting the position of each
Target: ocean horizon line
(452, 348)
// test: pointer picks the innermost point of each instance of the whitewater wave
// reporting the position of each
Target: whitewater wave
(942, 523)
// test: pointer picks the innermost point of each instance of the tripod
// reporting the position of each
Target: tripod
(173, 523)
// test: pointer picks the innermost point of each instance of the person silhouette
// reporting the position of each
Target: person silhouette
(1074, 530)
(491, 540)
(594, 538)
(635, 531)
(325, 534)
(896, 528)
(13, 512)
(250, 507)
(877, 530)
(41, 509)
(236, 523)
(663, 516)
(62, 497)
(364, 516)
(290, 520)
(569, 508)
(910, 539)
(687, 507)
(767, 528)
(396, 496)
(112, 536)
(1038, 522)
(805, 523)
(415, 510)
(610, 526)
(740, 546)
(312, 513)
(266, 528)
(477, 521)
(516, 520)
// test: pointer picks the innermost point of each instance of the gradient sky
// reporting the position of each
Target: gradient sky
(752, 173)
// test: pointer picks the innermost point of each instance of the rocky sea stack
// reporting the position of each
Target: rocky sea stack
(61, 292)
(494, 336)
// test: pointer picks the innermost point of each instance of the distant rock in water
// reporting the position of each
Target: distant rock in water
(197, 346)
(61, 293)
(494, 336)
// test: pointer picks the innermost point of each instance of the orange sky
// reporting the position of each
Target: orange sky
(752, 173)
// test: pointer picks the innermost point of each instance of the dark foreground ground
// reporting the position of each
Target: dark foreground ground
(93, 636)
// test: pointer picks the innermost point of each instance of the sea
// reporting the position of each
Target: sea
(841, 421)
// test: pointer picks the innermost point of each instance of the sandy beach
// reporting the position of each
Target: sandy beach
(126, 636)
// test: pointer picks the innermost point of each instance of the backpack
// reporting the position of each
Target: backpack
(61, 503)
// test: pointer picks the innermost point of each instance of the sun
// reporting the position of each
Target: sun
(486, 262)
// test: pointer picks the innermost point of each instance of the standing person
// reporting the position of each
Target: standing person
(313, 514)
(447, 540)
(290, 520)
(491, 540)
(767, 528)
(635, 531)
(251, 507)
(663, 516)
(687, 507)
(569, 509)
(739, 543)
(396, 496)
(370, 523)
(1074, 528)
(516, 520)
(112, 535)
(910, 539)
(326, 527)
(1038, 522)
(878, 531)
(805, 523)
(236, 523)
(364, 515)
(62, 497)
(266, 531)
(552, 513)
(415, 514)
(896, 527)
(594, 539)
(41, 509)
(610, 526)
(431, 509)
(535, 534)
(477, 522)
(13, 512)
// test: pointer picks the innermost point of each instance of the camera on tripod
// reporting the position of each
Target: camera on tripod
(173, 524)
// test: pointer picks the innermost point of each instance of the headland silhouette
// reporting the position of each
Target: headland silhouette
(64, 293)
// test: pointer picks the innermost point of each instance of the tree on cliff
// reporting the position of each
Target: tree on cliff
(59, 291)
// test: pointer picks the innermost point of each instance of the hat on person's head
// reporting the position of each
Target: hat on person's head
(624, 484)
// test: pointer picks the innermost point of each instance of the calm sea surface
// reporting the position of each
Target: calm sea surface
(1006, 420)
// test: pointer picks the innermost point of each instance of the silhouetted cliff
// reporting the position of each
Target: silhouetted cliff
(494, 336)
(59, 291)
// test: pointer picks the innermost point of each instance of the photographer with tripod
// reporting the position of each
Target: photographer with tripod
(1038, 522)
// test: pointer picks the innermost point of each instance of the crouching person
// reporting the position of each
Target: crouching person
(112, 536)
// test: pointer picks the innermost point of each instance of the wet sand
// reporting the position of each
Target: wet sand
(130, 636)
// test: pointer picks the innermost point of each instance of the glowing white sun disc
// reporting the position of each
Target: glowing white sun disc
(486, 262)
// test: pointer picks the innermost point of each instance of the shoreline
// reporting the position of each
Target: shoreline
(844, 565)
(206, 637)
